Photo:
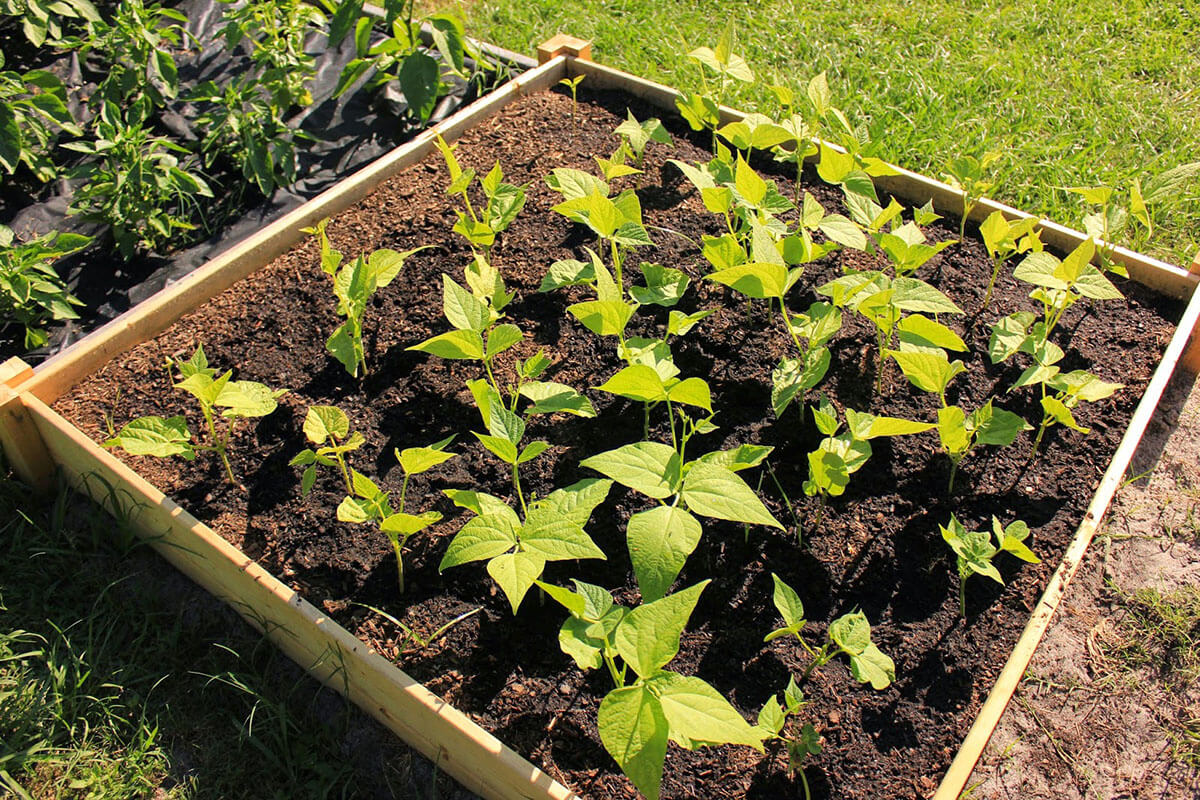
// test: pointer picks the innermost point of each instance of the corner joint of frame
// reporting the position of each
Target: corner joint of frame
(563, 45)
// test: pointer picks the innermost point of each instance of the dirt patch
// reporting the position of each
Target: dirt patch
(876, 548)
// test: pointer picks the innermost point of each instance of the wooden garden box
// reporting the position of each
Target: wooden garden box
(39, 443)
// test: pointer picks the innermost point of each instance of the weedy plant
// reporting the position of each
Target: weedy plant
(33, 109)
(274, 32)
(31, 291)
(969, 175)
(353, 285)
(849, 634)
(232, 400)
(138, 183)
(974, 551)
(650, 704)
(503, 201)
(368, 503)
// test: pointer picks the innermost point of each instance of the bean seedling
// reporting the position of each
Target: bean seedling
(974, 551)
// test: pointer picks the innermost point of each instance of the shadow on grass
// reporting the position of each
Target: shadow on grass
(121, 678)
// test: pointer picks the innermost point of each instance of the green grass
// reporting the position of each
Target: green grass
(119, 678)
(1072, 94)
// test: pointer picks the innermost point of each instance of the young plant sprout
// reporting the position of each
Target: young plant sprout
(849, 634)
(649, 704)
(840, 455)
(232, 400)
(368, 503)
(504, 201)
(773, 719)
(328, 428)
(703, 110)
(968, 175)
(1003, 240)
(572, 85)
(974, 551)
(353, 285)
(635, 136)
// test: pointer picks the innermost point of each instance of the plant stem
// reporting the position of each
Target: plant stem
(987, 298)
(953, 472)
(962, 595)
(520, 494)
(398, 547)
(804, 783)
(345, 472)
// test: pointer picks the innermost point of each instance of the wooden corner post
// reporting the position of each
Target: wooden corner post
(1190, 360)
(563, 45)
(19, 438)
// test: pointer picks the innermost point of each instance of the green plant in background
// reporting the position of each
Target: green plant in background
(974, 551)
(241, 124)
(33, 109)
(328, 428)
(234, 400)
(136, 50)
(849, 634)
(31, 291)
(137, 184)
(401, 57)
(1115, 214)
(503, 201)
(274, 32)
(970, 176)
(1003, 240)
(368, 503)
(44, 22)
(650, 705)
(353, 285)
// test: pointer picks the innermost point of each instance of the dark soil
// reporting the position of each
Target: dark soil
(876, 548)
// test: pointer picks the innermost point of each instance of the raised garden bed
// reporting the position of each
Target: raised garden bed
(878, 551)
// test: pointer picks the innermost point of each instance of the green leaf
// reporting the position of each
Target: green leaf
(637, 382)
(995, 426)
(716, 492)
(465, 311)
(1055, 409)
(459, 344)
(634, 730)
(929, 372)
(755, 279)
(913, 294)
(952, 430)
(405, 525)
(247, 399)
(415, 460)
(568, 272)
(651, 468)
(660, 540)
(482, 538)
(556, 539)
(771, 718)
(501, 338)
(1009, 335)
(574, 503)
(574, 184)
(155, 436)
(851, 632)
(500, 447)
(788, 603)
(577, 637)
(419, 80)
(920, 330)
(515, 573)
(697, 712)
(664, 286)
(603, 317)
(868, 426)
(692, 392)
(648, 637)
(552, 398)
(482, 504)
(843, 231)
(744, 456)
(873, 667)
(324, 422)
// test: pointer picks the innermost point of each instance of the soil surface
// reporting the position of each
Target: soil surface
(876, 548)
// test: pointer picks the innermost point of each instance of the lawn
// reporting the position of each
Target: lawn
(107, 690)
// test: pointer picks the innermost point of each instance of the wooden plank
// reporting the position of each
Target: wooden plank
(14, 372)
(22, 445)
(68, 367)
(955, 779)
(917, 189)
(328, 651)
(1190, 360)
(560, 44)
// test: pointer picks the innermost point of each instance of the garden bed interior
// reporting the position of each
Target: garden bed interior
(876, 548)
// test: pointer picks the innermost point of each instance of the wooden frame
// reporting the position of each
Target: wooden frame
(38, 441)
